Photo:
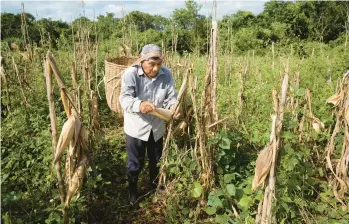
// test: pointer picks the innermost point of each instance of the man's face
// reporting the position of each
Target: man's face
(151, 67)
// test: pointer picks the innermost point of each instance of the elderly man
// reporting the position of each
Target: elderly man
(145, 85)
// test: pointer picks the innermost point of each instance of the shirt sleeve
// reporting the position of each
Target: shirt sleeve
(171, 96)
(128, 100)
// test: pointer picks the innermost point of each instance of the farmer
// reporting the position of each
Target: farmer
(145, 85)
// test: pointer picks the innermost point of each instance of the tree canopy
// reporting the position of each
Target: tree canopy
(280, 22)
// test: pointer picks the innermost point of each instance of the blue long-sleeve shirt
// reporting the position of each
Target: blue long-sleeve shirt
(137, 87)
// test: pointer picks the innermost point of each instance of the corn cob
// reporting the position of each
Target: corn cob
(75, 183)
(70, 127)
(162, 113)
(263, 165)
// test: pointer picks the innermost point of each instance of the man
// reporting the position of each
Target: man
(145, 85)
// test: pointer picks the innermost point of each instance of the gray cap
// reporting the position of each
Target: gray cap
(150, 48)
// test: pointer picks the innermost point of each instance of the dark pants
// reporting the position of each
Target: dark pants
(136, 155)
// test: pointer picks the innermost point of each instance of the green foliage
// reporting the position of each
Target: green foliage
(300, 32)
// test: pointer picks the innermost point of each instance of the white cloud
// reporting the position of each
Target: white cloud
(70, 10)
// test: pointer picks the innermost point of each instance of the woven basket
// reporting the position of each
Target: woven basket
(114, 68)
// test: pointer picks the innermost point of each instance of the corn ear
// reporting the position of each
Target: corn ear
(77, 128)
(263, 165)
(84, 137)
(66, 136)
(162, 113)
(75, 183)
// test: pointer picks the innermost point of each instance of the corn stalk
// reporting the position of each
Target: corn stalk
(264, 214)
(73, 136)
(340, 179)
(54, 136)
(180, 97)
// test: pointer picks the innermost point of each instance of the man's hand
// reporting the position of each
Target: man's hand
(146, 107)
(176, 114)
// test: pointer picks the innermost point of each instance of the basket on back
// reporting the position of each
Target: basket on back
(114, 69)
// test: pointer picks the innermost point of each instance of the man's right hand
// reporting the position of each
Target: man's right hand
(146, 107)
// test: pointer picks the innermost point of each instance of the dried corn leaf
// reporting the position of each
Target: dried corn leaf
(346, 111)
(335, 99)
(65, 104)
(263, 165)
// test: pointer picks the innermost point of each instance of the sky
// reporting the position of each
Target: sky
(68, 11)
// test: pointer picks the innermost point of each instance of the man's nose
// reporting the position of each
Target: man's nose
(156, 68)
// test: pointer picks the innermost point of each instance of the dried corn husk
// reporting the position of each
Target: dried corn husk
(75, 183)
(346, 111)
(162, 113)
(335, 99)
(77, 128)
(70, 130)
(65, 104)
(180, 128)
(84, 137)
(317, 124)
(14, 46)
(263, 165)
(65, 137)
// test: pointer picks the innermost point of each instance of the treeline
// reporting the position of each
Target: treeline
(186, 30)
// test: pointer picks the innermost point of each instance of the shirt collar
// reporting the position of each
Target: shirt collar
(141, 72)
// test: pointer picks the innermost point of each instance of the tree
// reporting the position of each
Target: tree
(107, 25)
(50, 30)
(326, 19)
(10, 25)
(190, 27)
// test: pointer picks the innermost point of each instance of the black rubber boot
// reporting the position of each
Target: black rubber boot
(132, 189)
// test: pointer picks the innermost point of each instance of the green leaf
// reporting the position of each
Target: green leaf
(191, 214)
(321, 172)
(155, 199)
(300, 92)
(286, 199)
(179, 186)
(210, 210)
(222, 218)
(196, 192)
(343, 221)
(228, 178)
(231, 189)
(244, 202)
(214, 201)
(225, 143)
(4, 177)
